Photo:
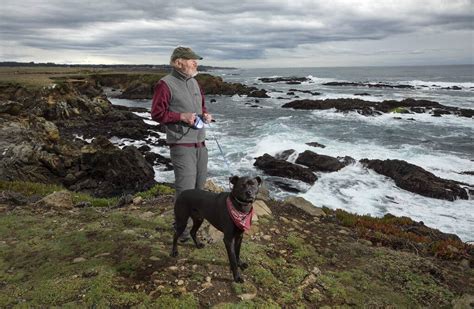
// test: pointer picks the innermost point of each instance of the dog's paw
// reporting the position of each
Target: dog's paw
(200, 245)
(174, 253)
(243, 265)
(239, 279)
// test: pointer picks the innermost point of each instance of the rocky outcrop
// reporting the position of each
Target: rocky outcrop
(368, 108)
(37, 144)
(291, 80)
(106, 170)
(415, 179)
(319, 163)
(141, 87)
(370, 85)
(282, 168)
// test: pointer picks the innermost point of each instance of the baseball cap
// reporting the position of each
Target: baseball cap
(185, 53)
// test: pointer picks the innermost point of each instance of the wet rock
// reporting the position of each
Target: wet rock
(315, 144)
(319, 163)
(368, 108)
(284, 155)
(370, 85)
(289, 80)
(285, 169)
(415, 179)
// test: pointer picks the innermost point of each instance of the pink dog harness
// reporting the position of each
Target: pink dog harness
(241, 219)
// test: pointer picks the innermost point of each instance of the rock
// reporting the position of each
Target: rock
(137, 200)
(267, 237)
(304, 205)
(263, 192)
(315, 144)
(289, 80)
(316, 271)
(282, 168)
(173, 268)
(261, 209)
(137, 91)
(110, 171)
(180, 282)
(208, 279)
(10, 107)
(211, 186)
(57, 200)
(310, 279)
(79, 260)
(247, 296)
(319, 163)
(206, 285)
(415, 179)
(368, 108)
(284, 155)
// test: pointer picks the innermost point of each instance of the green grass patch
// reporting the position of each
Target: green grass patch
(155, 191)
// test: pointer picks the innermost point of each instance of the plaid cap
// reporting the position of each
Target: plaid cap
(185, 53)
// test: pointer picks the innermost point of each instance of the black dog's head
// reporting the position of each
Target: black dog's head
(245, 188)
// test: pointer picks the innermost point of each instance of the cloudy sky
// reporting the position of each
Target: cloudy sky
(268, 33)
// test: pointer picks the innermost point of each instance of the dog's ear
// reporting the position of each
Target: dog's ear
(233, 180)
(259, 180)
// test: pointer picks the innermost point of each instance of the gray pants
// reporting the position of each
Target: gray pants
(190, 167)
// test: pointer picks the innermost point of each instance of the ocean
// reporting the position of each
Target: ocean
(248, 127)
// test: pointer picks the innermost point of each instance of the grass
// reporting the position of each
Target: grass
(40, 189)
(125, 263)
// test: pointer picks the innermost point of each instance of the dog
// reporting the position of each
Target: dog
(229, 212)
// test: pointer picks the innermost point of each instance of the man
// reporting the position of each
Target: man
(177, 101)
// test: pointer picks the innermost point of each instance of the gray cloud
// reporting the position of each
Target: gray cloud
(219, 30)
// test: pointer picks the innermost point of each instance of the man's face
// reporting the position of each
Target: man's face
(189, 66)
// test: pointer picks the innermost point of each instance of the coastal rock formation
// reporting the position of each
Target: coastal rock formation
(291, 80)
(319, 163)
(142, 87)
(37, 143)
(282, 168)
(415, 179)
(368, 108)
(106, 170)
(370, 85)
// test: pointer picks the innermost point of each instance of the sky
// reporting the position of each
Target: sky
(246, 34)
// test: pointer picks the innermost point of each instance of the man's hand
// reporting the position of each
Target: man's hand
(207, 117)
(188, 118)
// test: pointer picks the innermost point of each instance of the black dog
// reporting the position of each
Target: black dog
(217, 209)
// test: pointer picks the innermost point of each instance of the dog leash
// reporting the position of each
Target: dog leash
(221, 151)
(222, 154)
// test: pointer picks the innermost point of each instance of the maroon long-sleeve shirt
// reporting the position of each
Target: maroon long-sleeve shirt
(160, 105)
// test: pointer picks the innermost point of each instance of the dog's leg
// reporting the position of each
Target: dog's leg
(196, 225)
(229, 242)
(179, 229)
(238, 244)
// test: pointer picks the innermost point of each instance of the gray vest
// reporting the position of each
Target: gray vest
(185, 98)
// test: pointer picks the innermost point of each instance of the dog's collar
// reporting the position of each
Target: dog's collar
(243, 203)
